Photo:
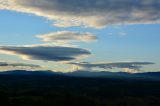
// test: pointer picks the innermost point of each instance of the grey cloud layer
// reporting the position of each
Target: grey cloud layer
(46, 53)
(67, 36)
(7, 64)
(124, 65)
(93, 13)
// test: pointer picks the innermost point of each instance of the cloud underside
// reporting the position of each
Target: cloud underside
(92, 13)
(45, 53)
(127, 66)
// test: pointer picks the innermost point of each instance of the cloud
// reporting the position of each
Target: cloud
(67, 36)
(92, 13)
(7, 64)
(14, 66)
(45, 53)
(127, 66)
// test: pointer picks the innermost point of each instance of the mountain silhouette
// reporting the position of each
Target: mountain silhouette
(80, 73)
(25, 72)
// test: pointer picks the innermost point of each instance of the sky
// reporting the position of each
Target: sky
(69, 35)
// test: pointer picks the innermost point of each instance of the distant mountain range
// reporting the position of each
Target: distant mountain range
(25, 72)
(79, 73)
(146, 75)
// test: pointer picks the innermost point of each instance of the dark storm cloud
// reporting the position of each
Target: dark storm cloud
(123, 65)
(93, 13)
(46, 53)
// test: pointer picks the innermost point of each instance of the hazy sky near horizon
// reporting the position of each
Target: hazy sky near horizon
(51, 34)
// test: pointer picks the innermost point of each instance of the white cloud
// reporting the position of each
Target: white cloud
(92, 13)
(66, 37)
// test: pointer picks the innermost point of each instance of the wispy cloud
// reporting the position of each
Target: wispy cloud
(130, 66)
(45, 53)
(5, 64)
(92, 13)
(67, 37)
(14, 66)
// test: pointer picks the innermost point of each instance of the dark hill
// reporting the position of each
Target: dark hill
(79, 73)
(46, 88)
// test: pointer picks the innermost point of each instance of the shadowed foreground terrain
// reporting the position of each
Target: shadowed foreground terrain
(59, 90)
